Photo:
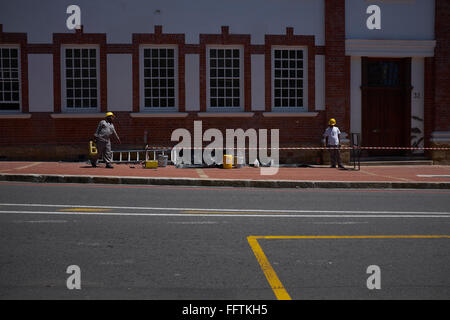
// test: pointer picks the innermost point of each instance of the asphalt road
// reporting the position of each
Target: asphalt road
(155, 242)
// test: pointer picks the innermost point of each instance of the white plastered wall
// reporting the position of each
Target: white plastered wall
(355, 95)
(40, 82)
(120, 82)
(417, 101)
(320, 82)
(192, 82)
(258, 82)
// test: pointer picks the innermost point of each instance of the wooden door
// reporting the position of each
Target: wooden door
(386, 104)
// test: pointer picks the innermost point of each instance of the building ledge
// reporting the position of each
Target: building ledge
(225, 114)
(76, 115)
(390, 48)
(15, 115)
(159, 115)
(290, 114)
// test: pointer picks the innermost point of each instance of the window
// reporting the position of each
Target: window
(80, 79)
(289, 78)
(383, 73)
(224, 74)
(159, 78)
(9, 79)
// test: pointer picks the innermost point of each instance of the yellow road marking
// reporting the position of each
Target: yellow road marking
(354, 237)
(271, 276)
(85, 209)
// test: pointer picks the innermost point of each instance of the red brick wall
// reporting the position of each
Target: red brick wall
(442, 66)
(43, 130)
(336, 70)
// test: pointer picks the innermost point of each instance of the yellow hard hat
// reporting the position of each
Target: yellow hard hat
(332, 122)
(110, 114)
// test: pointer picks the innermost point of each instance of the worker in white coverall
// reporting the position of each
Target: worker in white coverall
(332, 141)
(102, 138)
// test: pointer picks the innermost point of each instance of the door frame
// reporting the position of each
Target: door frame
(405, 87)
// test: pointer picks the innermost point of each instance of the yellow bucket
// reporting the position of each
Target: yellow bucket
(92, 148)
(227, 161)
(151, 164)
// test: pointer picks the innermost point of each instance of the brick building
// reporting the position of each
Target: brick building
(161, 65)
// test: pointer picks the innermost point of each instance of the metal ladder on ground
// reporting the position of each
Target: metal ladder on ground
(137, 156)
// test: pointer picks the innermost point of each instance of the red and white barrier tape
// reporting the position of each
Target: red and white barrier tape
(310, 148)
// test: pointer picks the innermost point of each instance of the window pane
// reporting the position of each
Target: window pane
(9, 79)
(288, 75)
(224, 74)
(159, 73)
(81, 82)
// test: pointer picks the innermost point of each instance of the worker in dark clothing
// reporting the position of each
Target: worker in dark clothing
(102, 138)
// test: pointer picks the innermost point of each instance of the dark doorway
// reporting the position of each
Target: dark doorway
(386, 104)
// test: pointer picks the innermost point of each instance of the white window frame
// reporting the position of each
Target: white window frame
(304, 108)
(64, 107)
(142, 107)
(241, 80)
(19, 69)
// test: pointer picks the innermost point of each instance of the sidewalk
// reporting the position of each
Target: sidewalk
(416, 177)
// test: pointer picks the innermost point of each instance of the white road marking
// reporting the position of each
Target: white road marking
(345, 222)
(201, 173)
(210, 215)
(40, 221)
(433, 175)
(24, 167)
(346, 212)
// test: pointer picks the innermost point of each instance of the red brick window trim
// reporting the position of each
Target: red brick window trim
(226, 40)
(285, 42)
(79, 39)
(158, 39)
(19, 41)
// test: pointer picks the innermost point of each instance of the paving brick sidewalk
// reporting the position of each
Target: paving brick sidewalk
(424, 173)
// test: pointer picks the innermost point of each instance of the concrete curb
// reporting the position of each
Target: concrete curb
(48, 178)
